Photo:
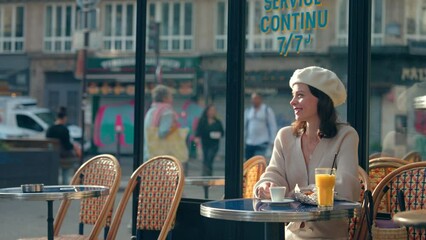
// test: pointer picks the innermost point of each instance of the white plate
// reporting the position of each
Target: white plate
(286, 200)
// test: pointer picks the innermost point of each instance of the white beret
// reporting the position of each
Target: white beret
(322, 79)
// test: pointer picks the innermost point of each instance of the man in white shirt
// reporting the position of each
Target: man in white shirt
(260, 127)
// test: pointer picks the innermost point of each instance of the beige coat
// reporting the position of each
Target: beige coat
(287, 168)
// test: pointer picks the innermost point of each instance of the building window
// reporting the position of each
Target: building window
(176, 24)
(415, 19)
(255, 39)
(11, 28)
(342, 23)
(59, 27)
(377, 23)
(221, 26)
(119, 27)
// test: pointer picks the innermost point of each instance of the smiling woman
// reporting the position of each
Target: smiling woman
(314, 140)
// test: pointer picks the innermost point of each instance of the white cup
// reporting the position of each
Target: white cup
(277, 193)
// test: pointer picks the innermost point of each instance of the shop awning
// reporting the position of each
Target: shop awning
(122, 69)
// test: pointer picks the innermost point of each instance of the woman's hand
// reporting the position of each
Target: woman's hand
(263, 190)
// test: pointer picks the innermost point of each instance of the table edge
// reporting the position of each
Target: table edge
(272, 216)
(102, 191)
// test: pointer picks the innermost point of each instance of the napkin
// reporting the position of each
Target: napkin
(306, 195)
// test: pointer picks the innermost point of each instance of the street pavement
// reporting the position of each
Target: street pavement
(19, 219)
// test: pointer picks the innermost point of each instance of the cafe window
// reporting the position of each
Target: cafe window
(119, 27)
(175, 25)
(397, 87)
(59, 25)
(12, 28)
(377, 27)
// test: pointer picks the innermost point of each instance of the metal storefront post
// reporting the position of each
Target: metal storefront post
(359, 65)
(234, 106)
(139, 97)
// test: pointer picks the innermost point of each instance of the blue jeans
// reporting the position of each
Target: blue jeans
(209, 153)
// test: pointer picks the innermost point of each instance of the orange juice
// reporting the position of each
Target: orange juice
(325, 188)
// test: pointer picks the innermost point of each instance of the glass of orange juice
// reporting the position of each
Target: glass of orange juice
(325, 179)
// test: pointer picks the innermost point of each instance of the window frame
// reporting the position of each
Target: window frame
(122, 39)
(63, 39)
(221, 37)
(13, 40)
(377, 39)
(171, 37)
(417, 35)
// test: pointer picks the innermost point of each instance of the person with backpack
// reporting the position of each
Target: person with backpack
(260, 127)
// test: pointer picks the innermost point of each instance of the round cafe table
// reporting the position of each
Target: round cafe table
(411, 218)
(54, 192)
(274, 215)
(206, 182)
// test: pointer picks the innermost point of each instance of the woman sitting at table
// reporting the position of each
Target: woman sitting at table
(314, 140)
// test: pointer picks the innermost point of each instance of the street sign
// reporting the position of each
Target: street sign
(95, 40)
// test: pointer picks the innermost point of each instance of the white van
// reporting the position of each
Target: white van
(22, 116)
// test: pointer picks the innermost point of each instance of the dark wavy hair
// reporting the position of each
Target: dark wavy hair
(204, 119)
(326, 113)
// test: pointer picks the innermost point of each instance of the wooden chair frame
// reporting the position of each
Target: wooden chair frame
(386, 162)
(358, 219)
(255, 161)
(412, 156)
(133, 182)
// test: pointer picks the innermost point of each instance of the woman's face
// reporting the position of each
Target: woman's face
(211, 112)
(304, 103)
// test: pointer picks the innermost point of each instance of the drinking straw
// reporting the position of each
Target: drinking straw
(334, 164)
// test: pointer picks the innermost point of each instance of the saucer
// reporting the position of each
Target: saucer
(285, 201)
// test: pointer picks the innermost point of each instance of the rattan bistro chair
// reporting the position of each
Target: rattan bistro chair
(380, 168)
(412, 156)
(411, 179)
(252, 170)
(160, 183)
(103, 170)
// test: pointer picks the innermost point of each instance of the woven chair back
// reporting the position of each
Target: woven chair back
(380, 168)
(159, 182)
(102, 170)
(411, 179)
(252, 170)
